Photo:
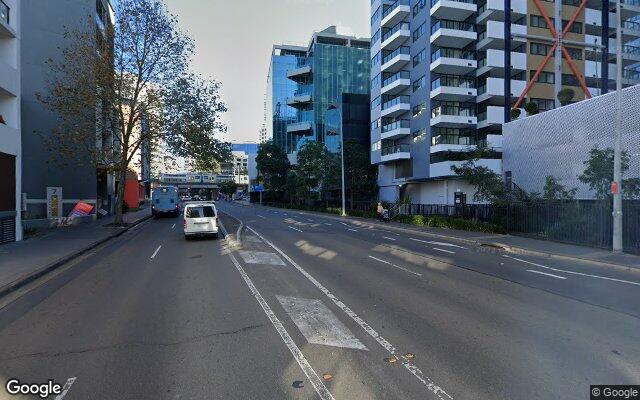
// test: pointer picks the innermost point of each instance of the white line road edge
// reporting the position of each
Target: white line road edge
(437, 243)
(412, 368)
(546, 274)
(352, 230)
(156, 252)
(397, 266)
(291, 227)
(66, 388)
(445, 251)
(308, 370)
(572, 272)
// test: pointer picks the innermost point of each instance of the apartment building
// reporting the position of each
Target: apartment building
(439, 79)
(331, 73)
(10, 123)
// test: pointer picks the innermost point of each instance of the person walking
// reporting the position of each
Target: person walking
(380, 210)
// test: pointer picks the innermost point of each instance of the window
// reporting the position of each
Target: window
(544, 104)
(419, 6)
(375, 16)
(544, 77)
(418, 58)
(375, 103)
(419, 136)
(576, 54)
(376, 37)
(375, 82)
(419, 31)
(375, 124)
(538, 21)
(419, 109)
(539, 49)
(200, 212)
(375, 146)
(419, 83)
(375, 60)
(576, 27)
(570, 80)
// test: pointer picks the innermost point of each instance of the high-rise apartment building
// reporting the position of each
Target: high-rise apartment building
(10, 124)
(438, 79)
(332, 72)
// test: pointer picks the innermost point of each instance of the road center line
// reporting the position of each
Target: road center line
(344, 224)
(353, 230)
(66, 388)
(388, 238)
(262, 216)
(572, 272)
(547, 274)
(156, 252)
(295, 229)
(445, 251)
(173, 226)
(412, 368)
(396, 266)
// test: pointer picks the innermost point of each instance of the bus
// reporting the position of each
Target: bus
(165, 200)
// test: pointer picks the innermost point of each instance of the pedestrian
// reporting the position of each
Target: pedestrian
(380, 210)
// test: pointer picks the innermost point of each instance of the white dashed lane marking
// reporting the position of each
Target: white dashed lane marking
(156, 252)
(66, 388)
(445, 251)
(318, 324)
(437, 243)
(388, 238)
(260, 257)
(395, 266)
(547, 274)
(352, 230)
(295, 229)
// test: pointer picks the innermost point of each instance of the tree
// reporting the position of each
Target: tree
(273, 166)
(119, 84)
(488, 185)
(531, 108)
(598, 173)
(313, 159)
(228, 187)
(360, 175)
(566, 95)
(553, 190)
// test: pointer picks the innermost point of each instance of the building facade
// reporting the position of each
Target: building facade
(438, 79)
(10, 122)
(42, 171)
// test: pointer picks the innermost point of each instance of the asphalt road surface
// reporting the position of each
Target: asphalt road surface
(307, 306)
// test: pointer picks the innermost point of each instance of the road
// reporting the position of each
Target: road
(307, 306)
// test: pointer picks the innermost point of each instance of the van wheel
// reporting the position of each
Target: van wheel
(186, 237)
(215, 235)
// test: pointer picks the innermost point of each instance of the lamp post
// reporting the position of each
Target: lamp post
(334, 107)
(616, 186)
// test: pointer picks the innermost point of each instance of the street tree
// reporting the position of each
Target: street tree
(229, 188)
(598, 173)
(360, 174)
(488, 185)
(312, 162)
(117, 86)
(554, 190)
(273, 166)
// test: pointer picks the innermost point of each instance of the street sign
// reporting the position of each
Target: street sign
(258, 188)
(615, 188)
(54, 202)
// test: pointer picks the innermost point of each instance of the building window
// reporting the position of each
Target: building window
(538, 21)
(419, 31)
(539, 49)
(576, 54)
(544, 104)
(418, 58)
(375, 82)
(419, 6)
(375, 16)
(576, 27)
(419, 109)
(570, 80)
(544, 77)
(375, 146)
(419, 83)
(375, 103)
(376, 37)
(419, 136)
(375, 60)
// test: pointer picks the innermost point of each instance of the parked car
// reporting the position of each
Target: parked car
(186, 198)
(165, 201)
(200, 219)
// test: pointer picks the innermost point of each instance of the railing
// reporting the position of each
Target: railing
(396, 28)
(482, 62)
(631, 25)
(395, 77)
(400, 148)
(453, 139)
(482, 89)
(631, 50)
(396, 101)
(452, 81)
(395, 53)
(452, 53)
(304, 90)
(434, 2)
(631, 74)
(404, 123)
(449, 24)
(631, 2)
(455, 110)
(4, 11)
(395, 5)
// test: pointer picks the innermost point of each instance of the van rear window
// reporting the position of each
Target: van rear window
(200, 212)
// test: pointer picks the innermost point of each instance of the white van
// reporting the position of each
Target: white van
(200, 219)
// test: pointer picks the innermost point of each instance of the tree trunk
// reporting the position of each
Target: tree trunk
(120, 194)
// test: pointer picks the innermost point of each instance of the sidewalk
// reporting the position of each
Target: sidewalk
(21, 262)
(510, 243)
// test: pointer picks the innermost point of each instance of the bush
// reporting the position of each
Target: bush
(449, 223)
(531, 108)
(515, 113)
(565, 96)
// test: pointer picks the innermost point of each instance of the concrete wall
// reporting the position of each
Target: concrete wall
(557, 142)
(45, 23)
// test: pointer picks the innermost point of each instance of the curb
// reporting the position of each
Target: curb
(474, 242)
(20, 282)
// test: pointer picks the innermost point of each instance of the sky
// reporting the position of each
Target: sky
(234, 39)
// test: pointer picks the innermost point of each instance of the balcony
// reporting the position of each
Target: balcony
(452, 88)
(494, 10)
(493, 116)
(443, 168)
(396, 107)
(452, 142)
(393, 153)
(302, 73)
(447, 60)
(457, 10)
(493, 37)
(493, 90)
(396, 36)
(396, 83)
(396, 12)
(494, 63)
(5, 19)
(396, 130)
(456, 34)
(396, 60)
(302, 98)
(300, 128)
(453, 115)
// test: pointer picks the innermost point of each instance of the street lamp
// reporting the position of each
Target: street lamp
(616, 186)
(334, 107)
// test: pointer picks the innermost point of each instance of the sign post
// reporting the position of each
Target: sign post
(54, 202)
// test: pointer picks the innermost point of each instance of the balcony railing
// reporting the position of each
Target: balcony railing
(396, 52)
(452, 53)
(404, 123)
(304, 90)
(4, 11)
(395, 5)
(453, 139)
(434, 2)
(456, 25)
(400, 148)
(395, 77)
(631, 74)
(631, 25)
(396, 101)
(628, 49)
(455, 110)
(631, 2)
(452, 81)
(399, 26)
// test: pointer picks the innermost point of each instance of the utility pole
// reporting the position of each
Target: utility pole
(507, 61)
(616, 186)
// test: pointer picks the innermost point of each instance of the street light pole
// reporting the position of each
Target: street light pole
(344, 194)
(617, 157)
